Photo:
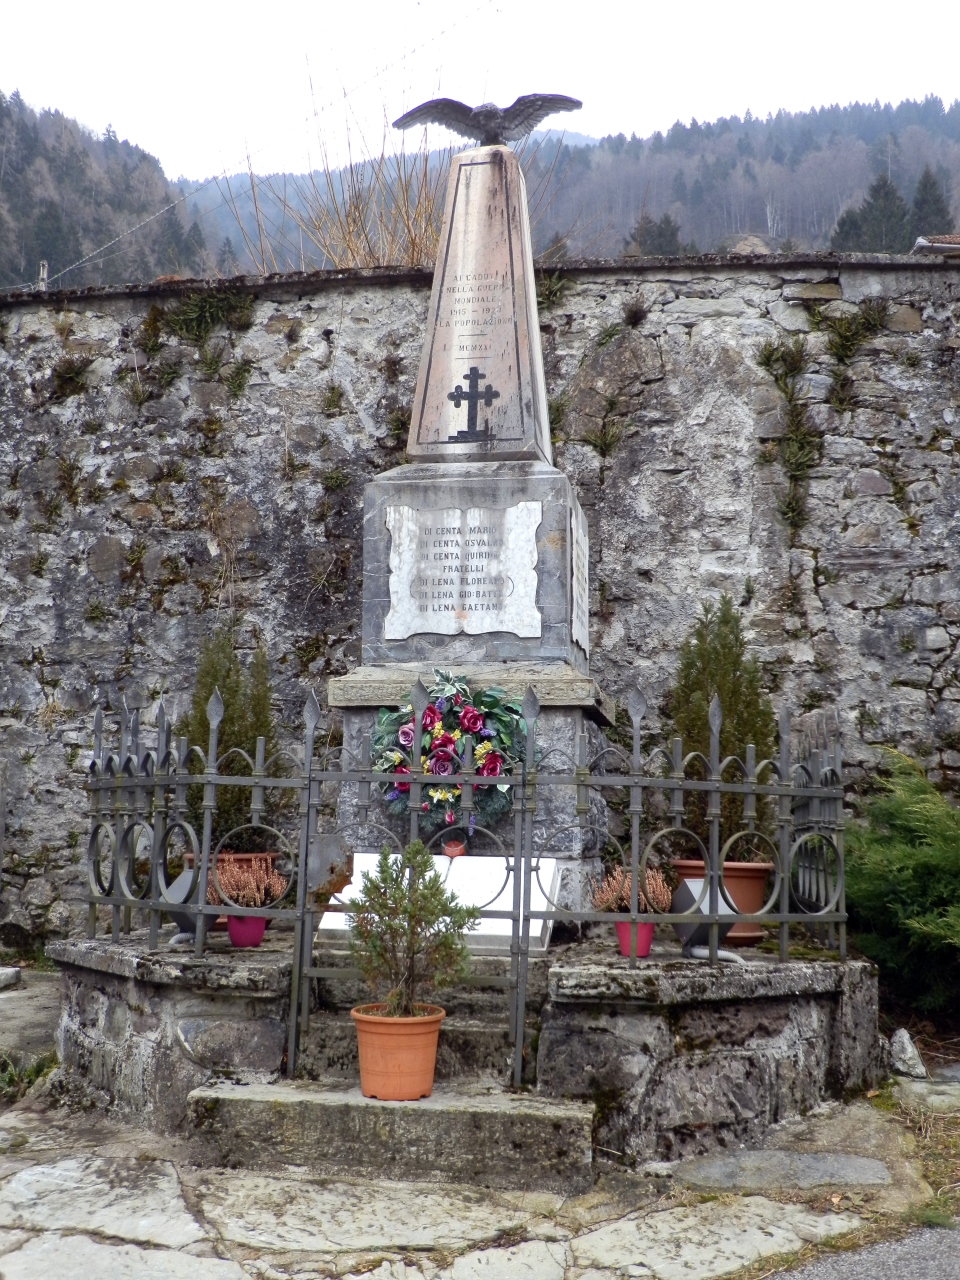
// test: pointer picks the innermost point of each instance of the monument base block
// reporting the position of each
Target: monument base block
(483, 562)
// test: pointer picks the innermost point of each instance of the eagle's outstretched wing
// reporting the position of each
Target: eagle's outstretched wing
(527, 112)
(446, 111)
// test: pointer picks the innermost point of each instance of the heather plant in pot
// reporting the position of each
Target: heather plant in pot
(613, 893)
(246, 882)
(408, 938)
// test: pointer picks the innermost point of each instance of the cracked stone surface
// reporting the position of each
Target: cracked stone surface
(84, 1196)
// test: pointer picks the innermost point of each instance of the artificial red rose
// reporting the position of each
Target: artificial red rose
(431, 716)
(450, 816)
(490, 765)
(459, 699)
(401, 786)
(445, 742)
(471, 720)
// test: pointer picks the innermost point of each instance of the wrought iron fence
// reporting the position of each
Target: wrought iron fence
(152, 847)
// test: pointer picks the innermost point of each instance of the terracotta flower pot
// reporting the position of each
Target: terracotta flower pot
(246, 931)
(397, 1055)
(644, 937)
(746, 884)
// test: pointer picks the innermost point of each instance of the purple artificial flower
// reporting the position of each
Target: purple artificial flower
(473, 823)
(441, 705)
(488, 733)
(441, 765)
(393, 795)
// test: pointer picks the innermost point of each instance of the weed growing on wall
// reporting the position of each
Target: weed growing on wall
(846, 334)
(800, 446)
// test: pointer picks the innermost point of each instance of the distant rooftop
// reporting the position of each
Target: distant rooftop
(937, 244)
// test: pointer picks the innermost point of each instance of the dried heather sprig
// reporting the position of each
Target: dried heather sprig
(248, 884)
(613, 891)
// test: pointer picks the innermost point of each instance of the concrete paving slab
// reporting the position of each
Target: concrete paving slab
(532, 1260)
(29, 1013)
(477, 1134)
(860, 1129)
(9, 977)
(79, 1258)
(330, 1218)
(941, 1096)
(130, 1199)
(765, 1170)
(707, 1240)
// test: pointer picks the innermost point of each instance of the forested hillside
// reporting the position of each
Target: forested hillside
(65, 193)
(861, 177)
(787, 178)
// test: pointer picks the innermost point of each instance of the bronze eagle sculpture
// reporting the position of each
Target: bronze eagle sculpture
(488, 123)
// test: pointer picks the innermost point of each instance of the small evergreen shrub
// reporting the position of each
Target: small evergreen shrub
(903, 888)
(247, 715)
(714, 662)
(407, 936)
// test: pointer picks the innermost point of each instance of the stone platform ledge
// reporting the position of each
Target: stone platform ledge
(9, 977)
(557, 684)
(696, 982)
(266, 973)
(481, 1136)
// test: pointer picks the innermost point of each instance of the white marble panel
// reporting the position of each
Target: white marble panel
(469, 570)
(580, 569)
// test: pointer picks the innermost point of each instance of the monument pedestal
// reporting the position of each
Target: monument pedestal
(474, 563)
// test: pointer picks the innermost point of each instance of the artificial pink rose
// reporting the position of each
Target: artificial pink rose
(401, 786)
(471, 721)
(490, 765)
(450, 817)
(431, 716)
(405, 734)
(445, 742)
(442, 765)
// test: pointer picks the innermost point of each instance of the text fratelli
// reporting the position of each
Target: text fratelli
(471, 570)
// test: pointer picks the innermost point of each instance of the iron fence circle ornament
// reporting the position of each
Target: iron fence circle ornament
(98, 888)
(777, 868)
(798, 869)
(444, 832)
(163, 856)
(666, 832)
(221, 849)
(129, 855)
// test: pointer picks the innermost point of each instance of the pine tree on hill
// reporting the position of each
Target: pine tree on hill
(652, 239)
(880, 225)
(931, 209)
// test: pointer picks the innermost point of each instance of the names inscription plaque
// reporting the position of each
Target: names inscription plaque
(469, 570)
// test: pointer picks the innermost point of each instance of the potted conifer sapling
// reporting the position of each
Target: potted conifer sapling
(407, 939)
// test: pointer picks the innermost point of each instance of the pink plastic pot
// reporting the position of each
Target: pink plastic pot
(644, 937)
(246, 931)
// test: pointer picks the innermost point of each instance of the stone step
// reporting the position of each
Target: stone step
(9, 977)
(479, 1135)
(468, 1047)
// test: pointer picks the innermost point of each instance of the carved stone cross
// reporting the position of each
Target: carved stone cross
(473, 397)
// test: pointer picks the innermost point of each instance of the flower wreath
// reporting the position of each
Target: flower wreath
(455, 715)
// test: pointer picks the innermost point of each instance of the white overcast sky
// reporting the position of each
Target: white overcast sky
(200, 84)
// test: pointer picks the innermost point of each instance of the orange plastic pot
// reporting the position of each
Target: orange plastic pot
(746, 885)
(398, 1056)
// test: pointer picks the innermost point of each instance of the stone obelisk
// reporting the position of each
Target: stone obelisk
(475, 553)
(480, 394)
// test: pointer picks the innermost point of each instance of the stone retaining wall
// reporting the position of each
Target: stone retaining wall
(148, 484)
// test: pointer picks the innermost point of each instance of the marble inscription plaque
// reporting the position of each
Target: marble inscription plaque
(480, 390)
(466, 570)
(580, 556)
